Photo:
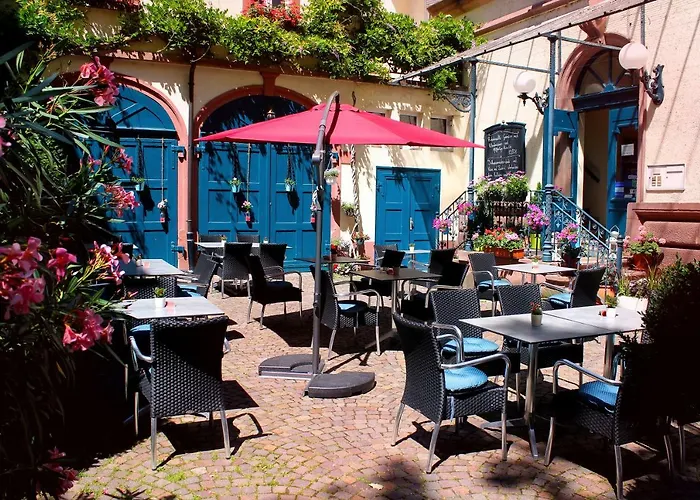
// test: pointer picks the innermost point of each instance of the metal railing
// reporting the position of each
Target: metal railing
(454, 236)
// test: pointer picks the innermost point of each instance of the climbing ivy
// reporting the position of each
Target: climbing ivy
(343, 38)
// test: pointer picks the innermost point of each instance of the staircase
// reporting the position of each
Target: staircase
(456, 235)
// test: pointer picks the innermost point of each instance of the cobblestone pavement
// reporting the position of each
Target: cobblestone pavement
(289, 446)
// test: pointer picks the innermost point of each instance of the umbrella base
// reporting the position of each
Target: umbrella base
(291, 366)
(340, 385)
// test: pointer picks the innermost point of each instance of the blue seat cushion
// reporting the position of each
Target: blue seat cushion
(140, 330)
(560, 300)
(190, 293)
(463, 379)
(599, 395)
(352, 307)
(486, 284)
(471, 345)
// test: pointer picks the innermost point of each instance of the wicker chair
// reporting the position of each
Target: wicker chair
(486, 280)
(247, 238)
(145, 287)
(584, 293)
(446, 391)
(518, 299)
(265, 290)
(200, 281)
(336, 313)
(272, 257)
(438, 260)
(235, 265)
(389, 258)
(182, 375)
(418, 306)
(211, 238)
(613, 409)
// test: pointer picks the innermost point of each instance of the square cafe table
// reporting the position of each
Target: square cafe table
(178, 307)
(519, 327)
(533, 271)
(625, 320)
(150, 267)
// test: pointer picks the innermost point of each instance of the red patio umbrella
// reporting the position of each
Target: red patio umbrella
(347, 126)
(323, 125)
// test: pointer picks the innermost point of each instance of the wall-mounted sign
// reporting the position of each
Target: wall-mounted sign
(627, 150)
(666, 177)
(505, 149)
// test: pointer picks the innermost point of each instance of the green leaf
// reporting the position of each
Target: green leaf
(9, 55)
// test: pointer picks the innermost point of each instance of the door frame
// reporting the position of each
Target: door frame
(618, 118)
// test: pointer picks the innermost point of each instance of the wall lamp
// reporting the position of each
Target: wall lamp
(524, 84)
(270, 114)
(633, 56)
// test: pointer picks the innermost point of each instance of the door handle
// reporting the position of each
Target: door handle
(410, 223)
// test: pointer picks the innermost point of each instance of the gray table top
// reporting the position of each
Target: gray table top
(403, 273)
(179, 307)
(415, 251)
(519, 327)
(338, 259)
(625, 320)
(220, 244)
(529, 269)
(150, 267)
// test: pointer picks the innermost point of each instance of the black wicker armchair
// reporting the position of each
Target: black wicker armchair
(182, 374)
(386, 256)
(584, 292)
(417, 304)
(265, 290)
(272, 257)
(247, 238)
(446, 391)
(200, 280)
(235, 264)
(349, 312)
(486, 280)
(613, 409)
(211, 238)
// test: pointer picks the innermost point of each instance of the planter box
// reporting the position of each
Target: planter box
(632, 303)
(504, 256)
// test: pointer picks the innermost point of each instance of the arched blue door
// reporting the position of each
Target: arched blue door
(281, 216)
(148, 135)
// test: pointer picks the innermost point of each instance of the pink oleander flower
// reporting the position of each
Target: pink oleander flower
(3, 122)
(121, 199)
(124, 161)
(84, 329)
(30, 291)
(66, 475)
(60, 261)
(662, 241)
(105, 89)
(107, 263)
(26, 259)
(466, 208)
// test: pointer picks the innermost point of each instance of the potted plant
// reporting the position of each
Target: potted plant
(247, 206)
(611, 306)
(516, 187)
(501, 242)
(411, 247)
(331, 175)
(645, 249)
(536, 314)
(535, 220)
(138, 261)
(235, 184)
(359, 237)
(569, 247)
(159, 294)
(335, 244)
(163, 207)
(224, 238)
(442, 224)
(289, 184)
(609, 284)
(466, 208)
(535, 262)
(139, 183)
(348, 208)
(313, 208)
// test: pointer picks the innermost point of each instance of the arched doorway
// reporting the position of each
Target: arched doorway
(281, 216)
(605, 99)
(148, 135)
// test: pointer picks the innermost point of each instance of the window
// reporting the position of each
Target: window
(379, 113)
(439, 125)
(410, 119)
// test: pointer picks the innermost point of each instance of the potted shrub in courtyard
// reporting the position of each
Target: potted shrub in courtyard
(535, 262)
(235, 184)
(247, 206)
(645, 249)
(289, 184)
(611, 306)
(442, 224)
(569, 247)
(359, 238)
(331, 175)
(139, 183)
(536, 314)
(159, 294)
(535, 220)
(500, 242)
(348, 209)
(516, 187)
(335, 244)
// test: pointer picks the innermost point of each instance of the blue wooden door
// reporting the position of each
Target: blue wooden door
(407, 201)
(148, 136)
(619, 118)
(279, 215)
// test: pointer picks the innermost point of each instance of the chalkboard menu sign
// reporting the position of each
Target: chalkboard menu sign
(505, 149)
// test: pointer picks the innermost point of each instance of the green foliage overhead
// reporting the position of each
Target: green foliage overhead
(343, 38)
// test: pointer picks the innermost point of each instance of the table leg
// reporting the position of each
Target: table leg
(530, 398)
(394, 294)
(608, 357)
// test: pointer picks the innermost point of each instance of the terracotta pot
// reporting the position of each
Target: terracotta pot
(643, 262)
(605, 291)
(517, 254)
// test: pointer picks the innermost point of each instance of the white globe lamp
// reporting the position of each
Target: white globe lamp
(524, 83)
(633, 56)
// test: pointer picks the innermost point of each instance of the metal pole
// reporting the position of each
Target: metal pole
(472, 126)
(317, 161)
(548, 164)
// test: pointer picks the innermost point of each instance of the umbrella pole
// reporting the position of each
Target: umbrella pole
(318, 162)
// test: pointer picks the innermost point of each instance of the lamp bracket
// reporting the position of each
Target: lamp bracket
(461, 100)
(654, 85)
(540, 101)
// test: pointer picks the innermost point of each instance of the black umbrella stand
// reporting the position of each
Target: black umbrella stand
(305, 366)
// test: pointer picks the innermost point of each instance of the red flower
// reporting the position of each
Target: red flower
(60, 261)
(84, 329)
(120, 198)
(104, 89)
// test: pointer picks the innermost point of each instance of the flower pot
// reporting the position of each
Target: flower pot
(535, 265)
(517, 254)
(536, 319)
(643, 261)
(330, 180)
(247, 217)
(138, 263)
(411, 247)
(313, 219)
(535, 242)
(139, 187)
(359, 242)
(288, 188)
(632, 303)
(605, 291)
(610, 313)
(160, 302)
(235, 189)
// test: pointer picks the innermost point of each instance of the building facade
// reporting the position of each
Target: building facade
(615, 137)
